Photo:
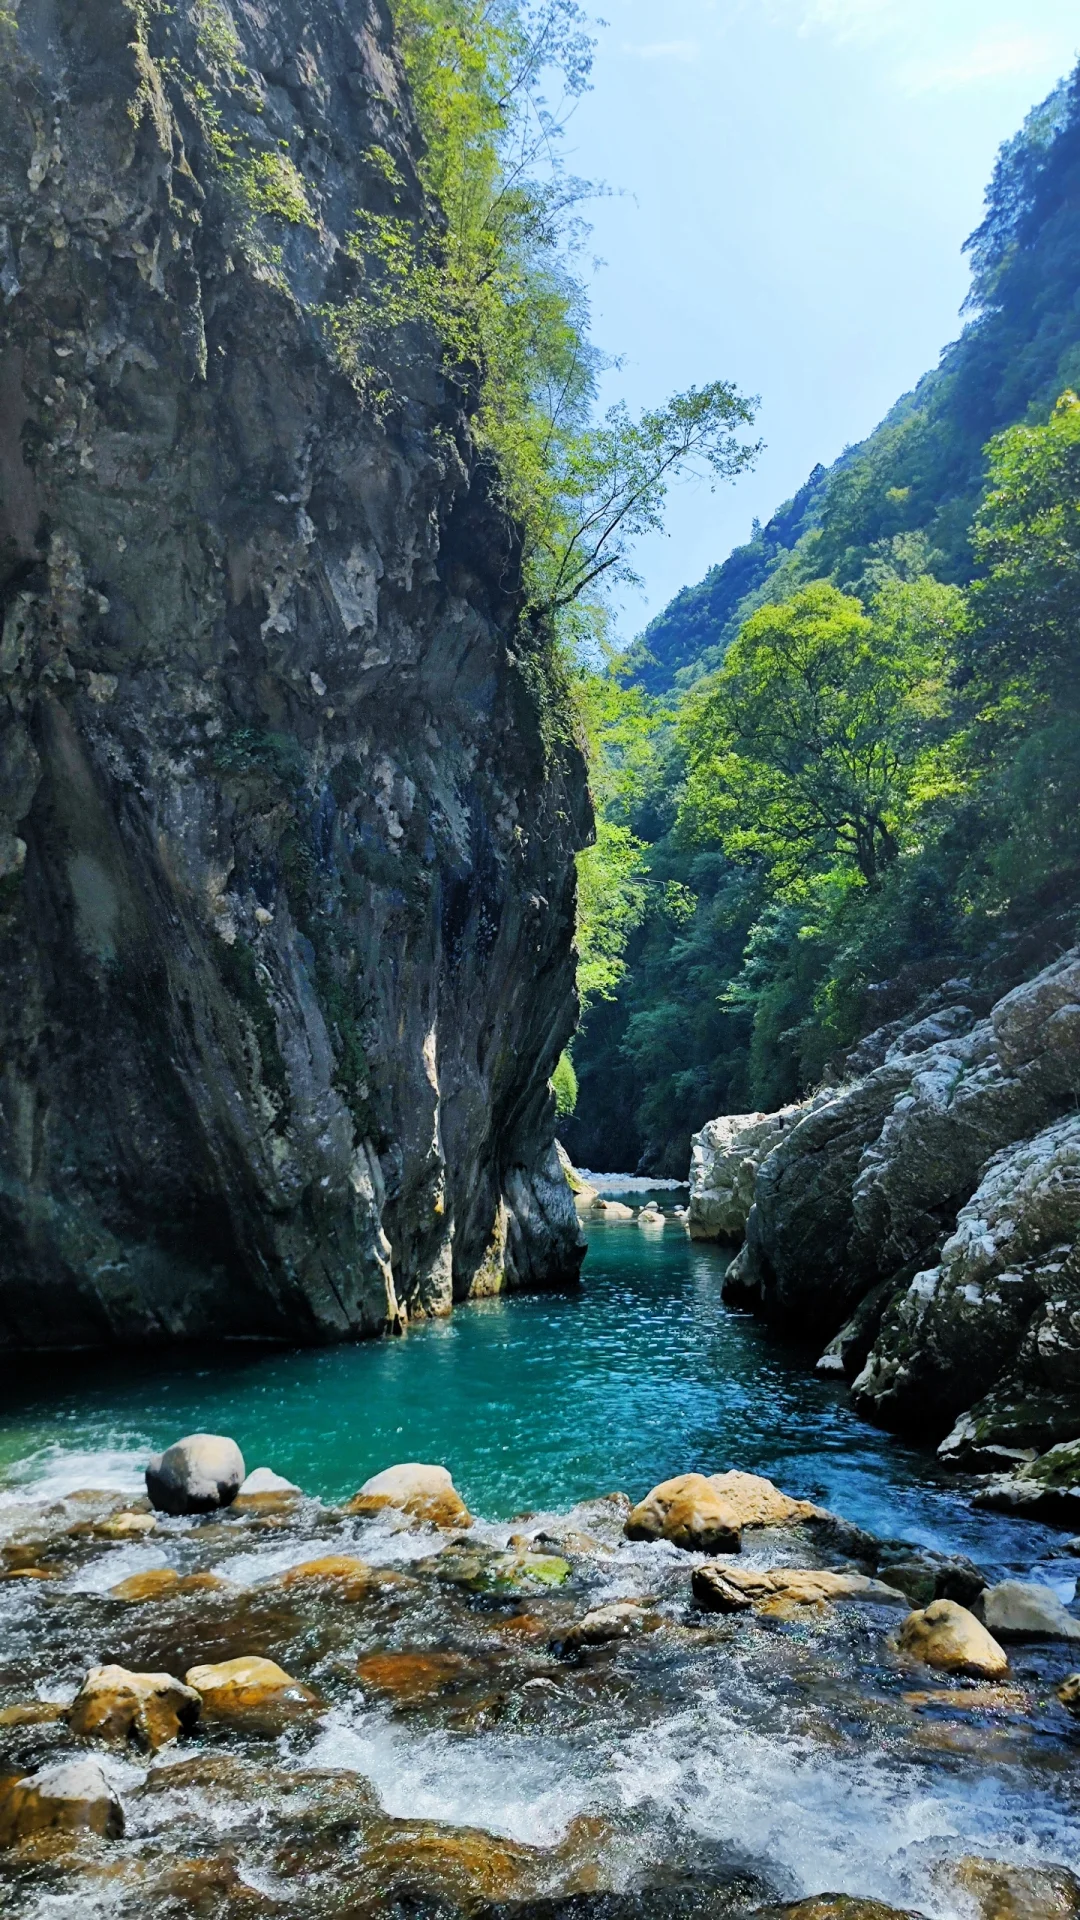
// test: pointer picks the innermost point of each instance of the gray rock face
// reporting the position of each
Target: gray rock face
(927, 1216)
(196, 1475)
(724, 1161)
(286, 835)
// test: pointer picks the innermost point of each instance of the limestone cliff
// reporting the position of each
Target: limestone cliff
(926, 1215)
(286, 833)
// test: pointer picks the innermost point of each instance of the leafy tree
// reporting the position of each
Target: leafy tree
(1026, 627)
(821, 736)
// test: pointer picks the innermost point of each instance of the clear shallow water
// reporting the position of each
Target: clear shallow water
(532, 1403)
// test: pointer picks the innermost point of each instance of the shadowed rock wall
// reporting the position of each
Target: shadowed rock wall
(286, 852)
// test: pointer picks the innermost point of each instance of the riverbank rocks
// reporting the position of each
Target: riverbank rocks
(424, 1494)
(618, 1620)
(946, 1636)
(1047, 1488)
(585, 1195)
(722, 1589)
(1020, 1610)
(252, 1691)
(149, 1709)
(72, 1797)
(724, 1161)
(199, 1474)
(923, 1221)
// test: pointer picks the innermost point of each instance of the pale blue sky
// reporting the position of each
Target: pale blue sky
(797, 178)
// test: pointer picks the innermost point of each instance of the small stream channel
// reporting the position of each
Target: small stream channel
(791, 1751)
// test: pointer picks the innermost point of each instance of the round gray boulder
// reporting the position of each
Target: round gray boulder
(196, 1475)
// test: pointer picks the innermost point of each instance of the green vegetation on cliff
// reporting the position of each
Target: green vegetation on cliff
(857, 750)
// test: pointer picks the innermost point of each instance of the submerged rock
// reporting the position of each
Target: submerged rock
(947, 1636)
(196, 1475)
(160, 1582)
(149, 1709)
(1018, 1610)
(341, 1574)
(425, 1494)
(618, 1620)
(72, 1797)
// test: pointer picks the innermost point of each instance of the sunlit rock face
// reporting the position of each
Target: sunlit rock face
(286, 850)
(925, 1216)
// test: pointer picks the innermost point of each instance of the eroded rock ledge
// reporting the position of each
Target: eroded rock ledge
(924, 1217)
(286, 852)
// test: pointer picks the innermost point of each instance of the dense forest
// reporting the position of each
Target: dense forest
(843, 772)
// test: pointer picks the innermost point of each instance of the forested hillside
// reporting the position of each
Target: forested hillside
(844, 769)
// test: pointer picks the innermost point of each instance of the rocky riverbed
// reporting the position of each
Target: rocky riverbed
(718, 1701)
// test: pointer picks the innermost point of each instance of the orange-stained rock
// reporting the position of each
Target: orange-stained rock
(970, 1699)
(690, 1513)
(72, 1797)
(756, 1502)
(426, 1494)
(947, 1636)
(411, 1676)
(31, 1713)
(149, 1709)
(251, 1689)
(158, 1582)
(346, 1577)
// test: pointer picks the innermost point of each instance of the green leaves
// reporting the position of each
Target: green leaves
(823, 733)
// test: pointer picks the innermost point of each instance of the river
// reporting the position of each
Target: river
(788, 1751)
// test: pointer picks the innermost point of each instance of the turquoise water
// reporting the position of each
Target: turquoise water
(532, 1403)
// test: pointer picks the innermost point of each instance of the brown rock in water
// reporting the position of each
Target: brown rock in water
(32, 1713)
(425, 1494)
(1069, 1693)
(947, 1636)
(251, 1690)
(158, 1582)
(73, 1797)
(341, 1573)
(733, 1589)
(149, 1709)
(837, 1906)
(756, 1502)
(1002, 1891)
(690, 1513)
(411, 1676)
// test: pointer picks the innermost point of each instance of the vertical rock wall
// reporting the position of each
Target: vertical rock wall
(286, 840)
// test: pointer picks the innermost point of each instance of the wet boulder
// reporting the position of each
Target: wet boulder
(1002, 1891)
(690, 1513)
(159, 1583)
(925, 1575)
(618, 1620)
(613, 1209)
(424, 1494)
(780, 1589)
(1020, 1610)
(252, 1692)
(199, 1474)
(149, 1709)
(72, 1797)
(946, 1636)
